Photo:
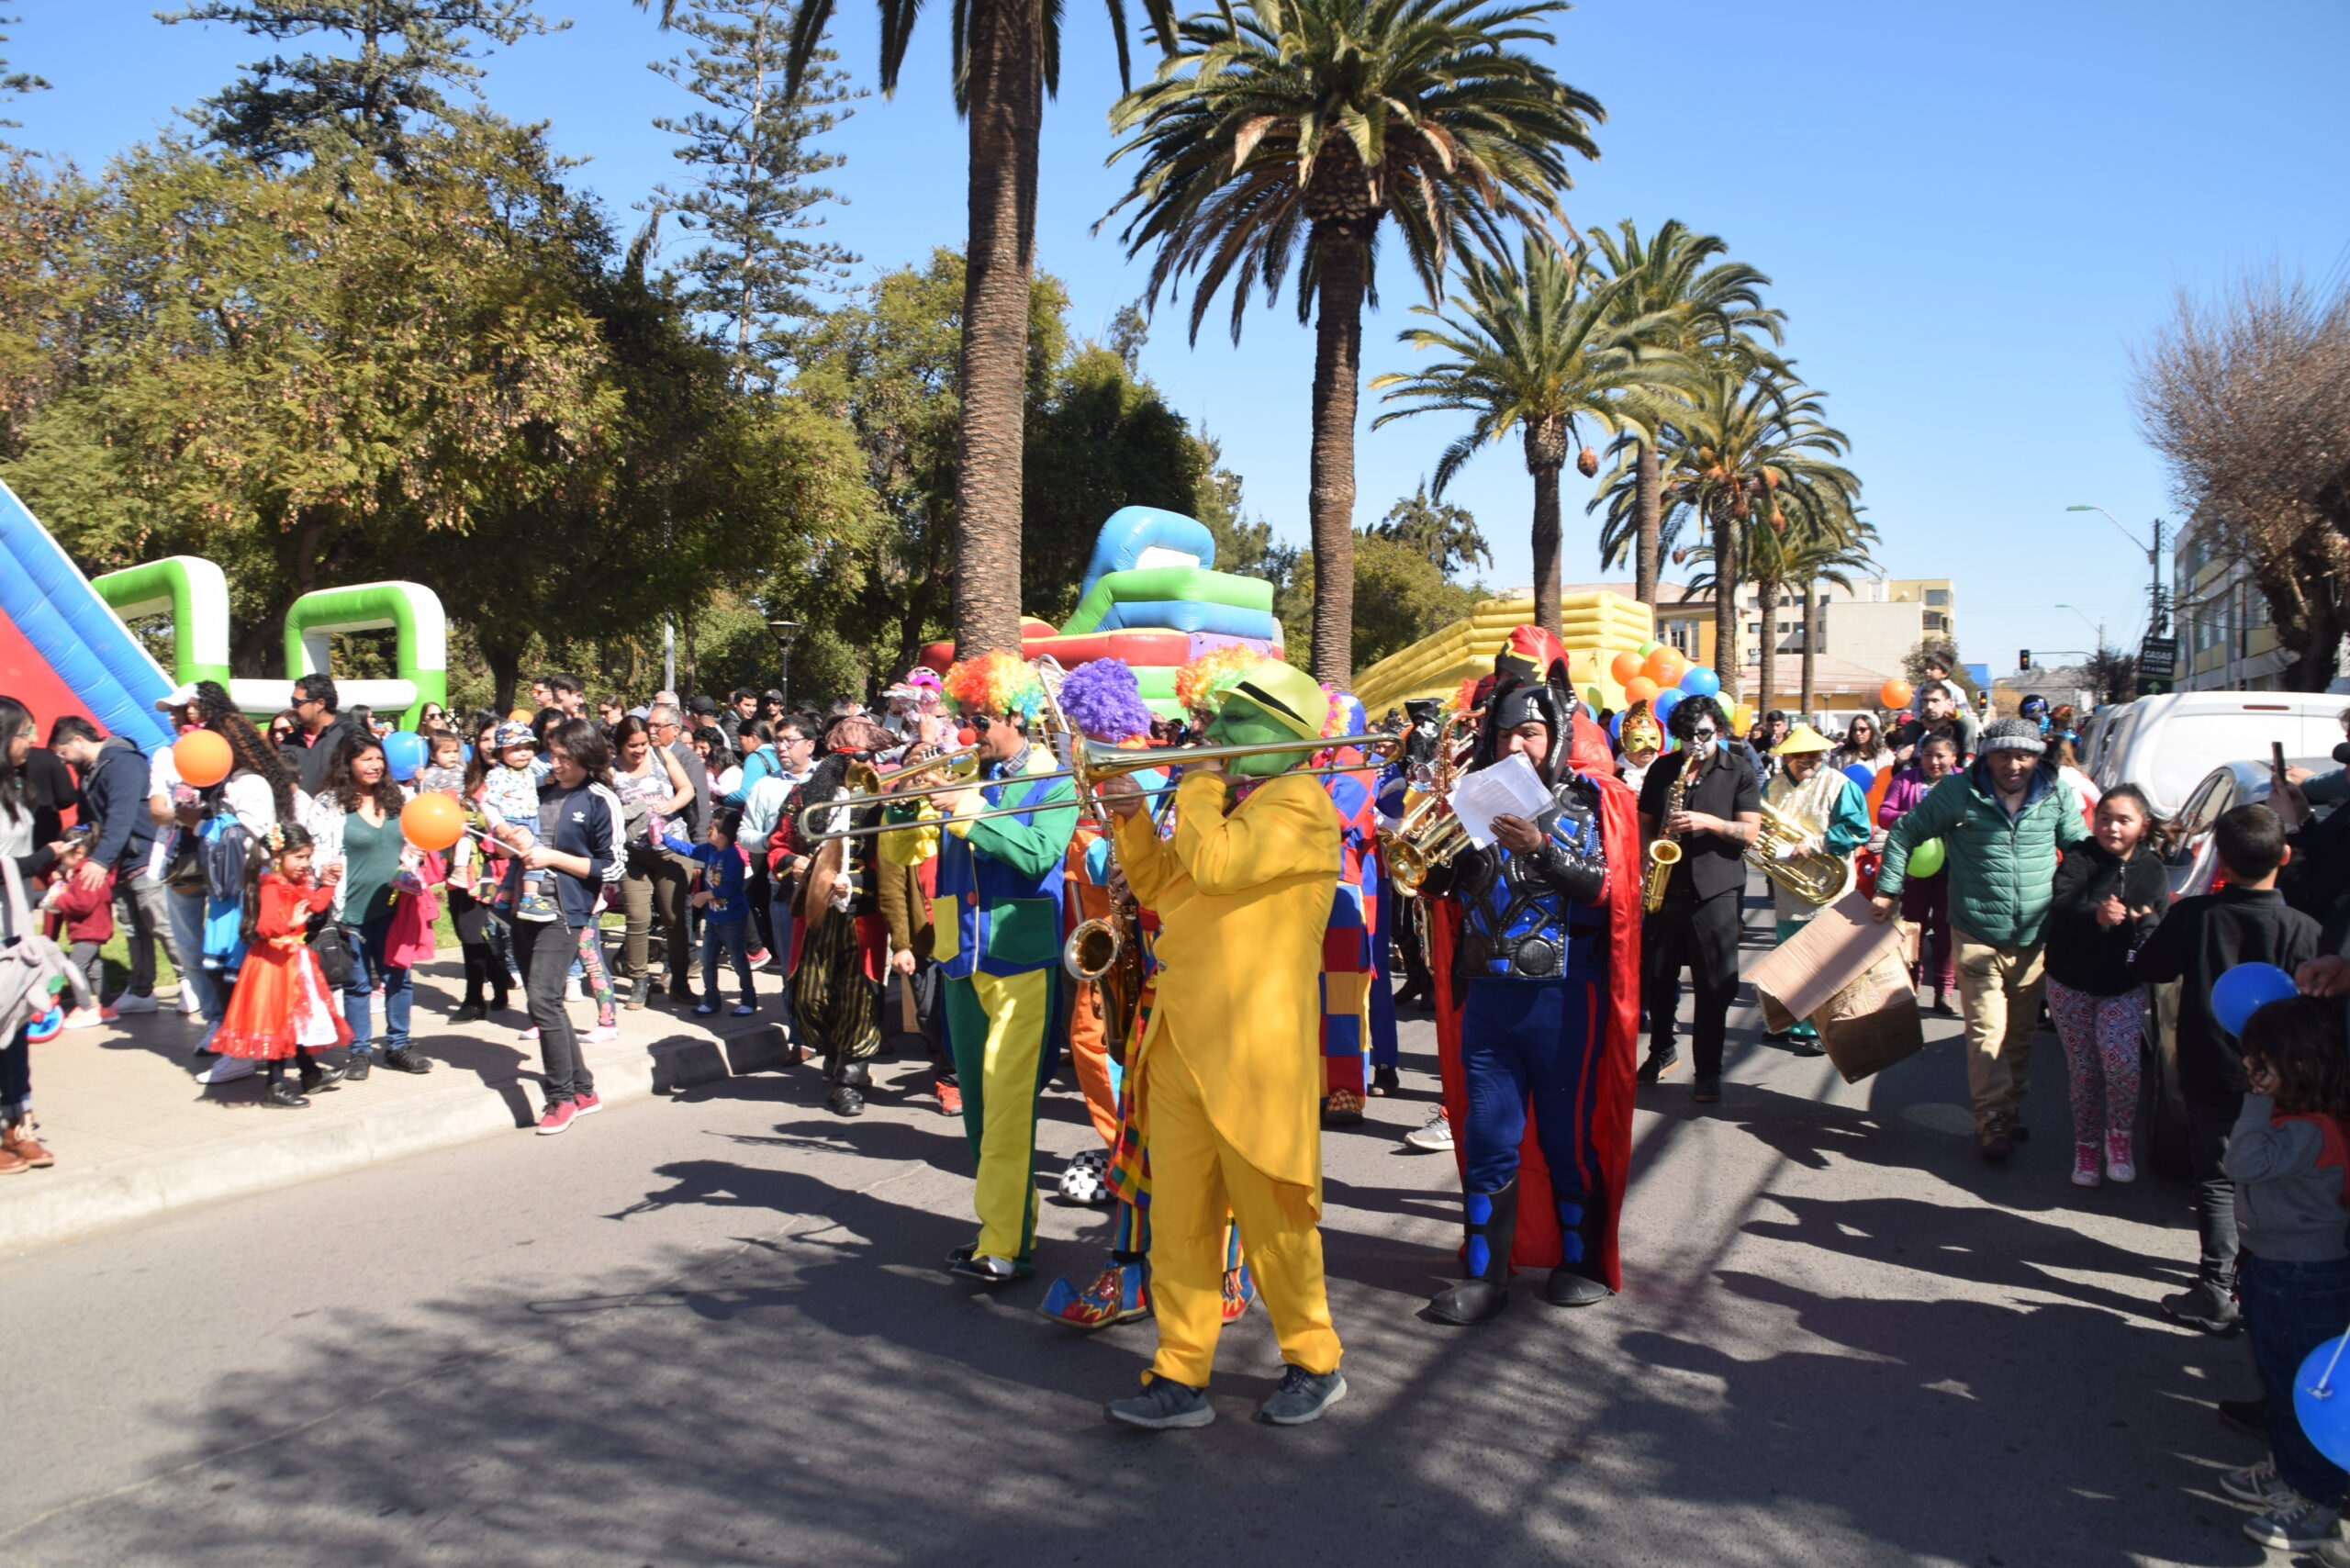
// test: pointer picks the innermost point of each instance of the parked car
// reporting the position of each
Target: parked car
(2192, 868)
(2165, 744)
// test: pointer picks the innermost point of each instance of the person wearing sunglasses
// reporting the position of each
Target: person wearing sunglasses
(1697, 928)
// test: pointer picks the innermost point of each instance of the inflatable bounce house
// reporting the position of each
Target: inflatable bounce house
(66, 645)
(1153, 598)
(1594, 627)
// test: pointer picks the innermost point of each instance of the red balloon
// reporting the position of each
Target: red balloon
(203, 759)
(1894, 694)
(1624, 667)
(1640, 688)
(433, 821)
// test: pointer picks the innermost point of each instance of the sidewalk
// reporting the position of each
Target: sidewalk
(135, 1134)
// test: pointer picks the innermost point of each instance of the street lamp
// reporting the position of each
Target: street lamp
(785, 632)
(2156, 622)
(2098, 626)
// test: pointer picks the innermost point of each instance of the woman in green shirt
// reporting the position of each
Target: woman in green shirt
(355, 821)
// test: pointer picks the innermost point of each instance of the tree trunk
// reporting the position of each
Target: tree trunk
(1338, 371)
(1810, 638)
(1006, 96)
(1766, 598)
(1546, 455)
(1727, 663)
(1648, 512)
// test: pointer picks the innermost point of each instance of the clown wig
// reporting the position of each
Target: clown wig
(995, 683)
(1103, 700)
(924, 680)
(1201, 685)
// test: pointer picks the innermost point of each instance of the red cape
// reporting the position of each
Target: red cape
(1537, 1246)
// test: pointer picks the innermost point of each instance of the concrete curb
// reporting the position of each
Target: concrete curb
(43, 1206)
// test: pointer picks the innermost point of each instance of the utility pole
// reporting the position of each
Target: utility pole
(2157, 613)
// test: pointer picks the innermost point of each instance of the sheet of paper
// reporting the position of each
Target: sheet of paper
(1509, 787)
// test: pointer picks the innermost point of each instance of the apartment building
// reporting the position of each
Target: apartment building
(2221, 618)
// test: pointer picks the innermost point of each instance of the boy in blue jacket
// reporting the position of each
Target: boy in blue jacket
(724, 907)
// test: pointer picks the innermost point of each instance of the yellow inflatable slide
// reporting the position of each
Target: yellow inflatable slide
(1595, 626)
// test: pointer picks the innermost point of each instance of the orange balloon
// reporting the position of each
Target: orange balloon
(203, 759)
(1894, 694)
(1640, 688)
(1624, 667)
(1665, 666)
(520, 716)
(433, 821)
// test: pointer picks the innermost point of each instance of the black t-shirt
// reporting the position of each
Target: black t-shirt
(1710, 865)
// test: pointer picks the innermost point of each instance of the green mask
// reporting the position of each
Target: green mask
(1241, 723)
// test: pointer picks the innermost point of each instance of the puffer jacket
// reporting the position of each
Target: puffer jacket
(2002, 871)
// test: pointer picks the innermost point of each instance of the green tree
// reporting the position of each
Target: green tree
(1103, 440)
(1447, 534)
(45, 280)
(1752, 460)
(750, 153)
(15, 83)
(1713, 308)
(1005, 57)
(1286, 133)
(380, 98)
(1528, 348)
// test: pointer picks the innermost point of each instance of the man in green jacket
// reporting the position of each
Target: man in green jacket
(2003, 821)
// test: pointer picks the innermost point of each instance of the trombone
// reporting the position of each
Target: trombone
(1094, 761)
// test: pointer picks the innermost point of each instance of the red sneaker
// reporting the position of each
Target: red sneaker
(557, 1118)
(950, 1100)
(587, 1106)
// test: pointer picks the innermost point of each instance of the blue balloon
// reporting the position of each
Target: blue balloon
(1861, 773)
(2322, 1399)
(404, 753)
(1616, 725)
(1700, 681)
(2244, 990)
(1665, 702)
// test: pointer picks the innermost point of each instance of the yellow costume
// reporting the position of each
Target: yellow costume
(1229, 1073)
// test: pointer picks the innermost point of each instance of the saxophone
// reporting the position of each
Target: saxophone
(1664, 853)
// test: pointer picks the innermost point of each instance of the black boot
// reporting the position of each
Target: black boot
(1480, 1297)
(283, 1093)
(850, 1081)
(315, 1074)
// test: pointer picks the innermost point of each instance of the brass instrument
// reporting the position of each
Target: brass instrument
(1664, 852)
(1092, 762)
(1109, 951)
(1431, 836)
(1815, 876)
(961, 765)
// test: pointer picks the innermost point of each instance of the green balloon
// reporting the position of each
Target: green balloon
(1645, 649)
(1927, 859)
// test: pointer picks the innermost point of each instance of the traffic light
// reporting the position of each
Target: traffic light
(2023, 658)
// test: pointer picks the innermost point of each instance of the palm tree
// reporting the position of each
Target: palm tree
(1718, 309)
(1316, 120)
(1532, 349)
(1006, 58)
(1752, 461)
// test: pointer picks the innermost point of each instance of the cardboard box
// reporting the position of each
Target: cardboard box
(1851, 977)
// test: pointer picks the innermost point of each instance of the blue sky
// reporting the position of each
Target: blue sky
(1971, 214)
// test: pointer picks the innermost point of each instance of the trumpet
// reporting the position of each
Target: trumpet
(961, 764)
(1096, 761)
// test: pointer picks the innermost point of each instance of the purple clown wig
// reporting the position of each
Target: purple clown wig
(1102, 699)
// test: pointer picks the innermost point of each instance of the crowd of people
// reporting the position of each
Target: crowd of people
(928, 869)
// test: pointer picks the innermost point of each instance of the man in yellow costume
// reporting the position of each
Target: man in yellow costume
(1229, 1077)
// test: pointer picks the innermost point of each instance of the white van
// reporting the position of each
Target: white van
(2167, 745)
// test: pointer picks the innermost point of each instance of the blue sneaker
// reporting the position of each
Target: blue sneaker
(704, 1009)
(1162, 1406)
(745, 1008)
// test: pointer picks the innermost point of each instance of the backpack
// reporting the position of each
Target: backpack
(32, 968)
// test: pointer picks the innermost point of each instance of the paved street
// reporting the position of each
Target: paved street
(710, 1329)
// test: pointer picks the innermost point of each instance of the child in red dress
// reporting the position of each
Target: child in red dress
(282, 1006)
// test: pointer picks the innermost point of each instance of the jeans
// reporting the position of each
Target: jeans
(185, 914)
(779, 918)
(2290, 1309)
(17, 1077)
(2207, 1128)
(728, 939)
(547, 950)
(367, 967)
(141, 911)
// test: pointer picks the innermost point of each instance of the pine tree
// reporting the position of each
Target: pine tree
(13, 82)
(750, 153)
(408, 51)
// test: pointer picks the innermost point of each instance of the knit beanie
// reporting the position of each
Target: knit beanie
(2010, 735)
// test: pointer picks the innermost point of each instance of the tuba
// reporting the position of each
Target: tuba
(1815, 876)
(1664, 853)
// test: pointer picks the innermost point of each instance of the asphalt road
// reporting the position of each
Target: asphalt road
(713, 1330)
